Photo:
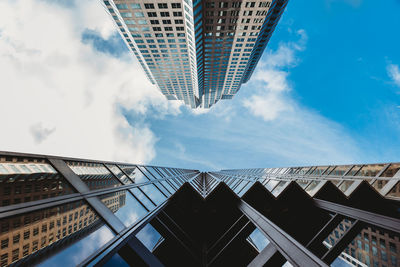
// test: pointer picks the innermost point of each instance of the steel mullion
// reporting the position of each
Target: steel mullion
(375, 219)
(290, 248)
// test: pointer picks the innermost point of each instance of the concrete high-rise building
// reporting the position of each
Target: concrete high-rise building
(69, 212)
(197, 51)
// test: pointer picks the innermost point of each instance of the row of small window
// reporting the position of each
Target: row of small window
(148, 6)
(163, 46)
(233, 21)
(236, 4)
(156, 29)
(234, 13)
(233, 28)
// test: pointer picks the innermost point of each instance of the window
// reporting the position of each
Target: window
(122, 6)
(166, 21)
(4, 243)
(139, 14)
(177, 14)
(151, 14)
(176, 5)
(126, 14)
(149, 6)
(164, 14)
(135, 6)
(142, 21)
(162, 5)
(178, 21)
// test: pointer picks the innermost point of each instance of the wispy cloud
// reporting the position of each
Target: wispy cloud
(394, 73)
(64, 90)
(271, 80)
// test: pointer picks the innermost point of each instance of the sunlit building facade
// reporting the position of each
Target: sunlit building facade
(197, 51)
(93, 213)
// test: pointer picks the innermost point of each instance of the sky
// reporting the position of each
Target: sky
(326, 91)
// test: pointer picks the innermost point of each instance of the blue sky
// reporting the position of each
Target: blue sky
(326, 91)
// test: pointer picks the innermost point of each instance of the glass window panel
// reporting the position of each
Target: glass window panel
(73, 230)
(354, 170)
(154, 172)
(168, 186)
(379, 184)
(279, 188)
(94, 175)
(395, 191)
(271, 184)
(370, 170)
(116, 261)
(258, 239)
(153, 193)
(311, 186)
(302, 183)
(146, 173)
(391, 170)
(327, 172)
(245, 189)
(142, 198)
(304, 170)
(345, 185)
(240, 186)
(134, 173)
(24, 180)
(124, 206)
(174, 183)
(318, 170)
(340, 170)
(149, 237)
(120, 175)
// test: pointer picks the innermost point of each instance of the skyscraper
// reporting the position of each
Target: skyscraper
(67, 211)
(197, 51)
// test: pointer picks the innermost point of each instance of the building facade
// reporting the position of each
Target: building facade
(197, 51)
(92, 213)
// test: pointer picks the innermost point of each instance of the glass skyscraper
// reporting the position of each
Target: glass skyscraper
(197, 51)
(76, 212)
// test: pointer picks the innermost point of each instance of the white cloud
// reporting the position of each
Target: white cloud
(60, 96)
(271, 80)
(394, 73)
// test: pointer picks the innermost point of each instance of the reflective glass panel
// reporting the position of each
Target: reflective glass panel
(149, 237)
(392, 170)
(24, 180)
(279, 188)
(340, 170)
(153, 193)
(245, 189)
(134, 173)
(354, 170)
(116, 261)
(370, 170)
(94, 175)
(142, 198)
(119, 174)
(318, 170)
(146, 172)
(395, 191)
(258, 239)
(124, 206)
(311, 186)
(73, 230)
(302, 183)
(168, 186)
(271, 184)
(345, 185)
(379, 184)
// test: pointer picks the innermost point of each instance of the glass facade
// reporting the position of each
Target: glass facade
(82, 212)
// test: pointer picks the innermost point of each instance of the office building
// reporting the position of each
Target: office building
(197, 51)
(91, 213)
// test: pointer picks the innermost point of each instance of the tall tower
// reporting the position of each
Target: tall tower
(196, 51)
(69, 212)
